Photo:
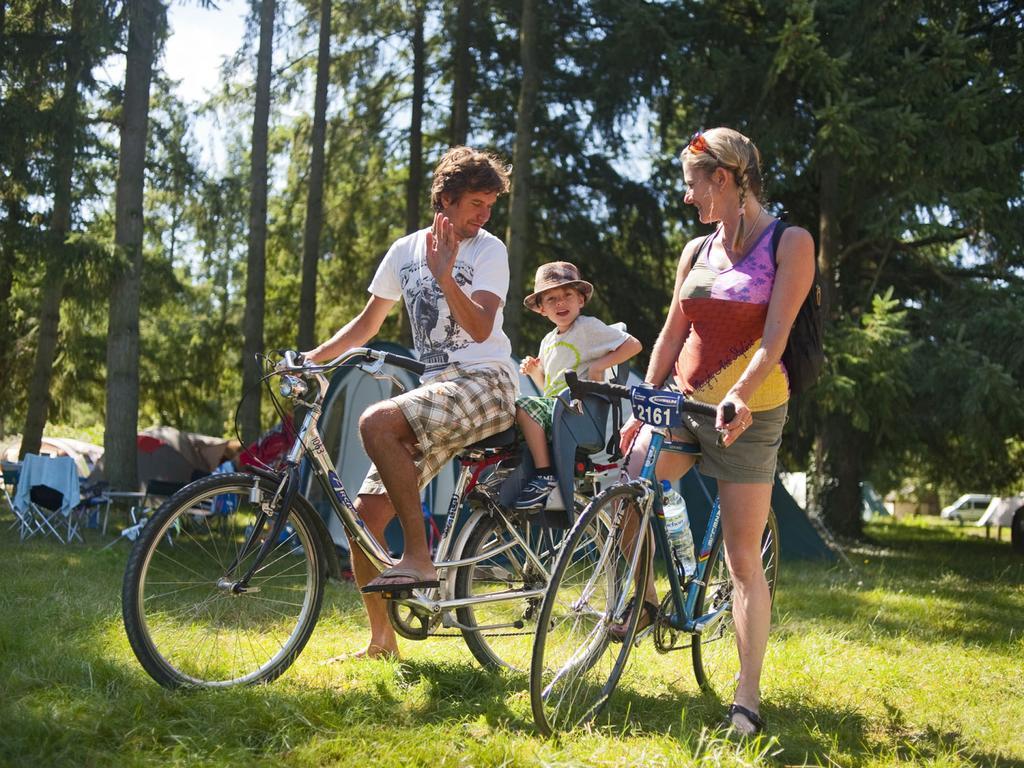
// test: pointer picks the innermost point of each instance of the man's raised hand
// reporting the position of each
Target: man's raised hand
(442, 247)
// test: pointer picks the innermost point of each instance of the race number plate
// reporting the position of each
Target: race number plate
(657, 407)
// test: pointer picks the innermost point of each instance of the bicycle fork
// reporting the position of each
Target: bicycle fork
(276, 511)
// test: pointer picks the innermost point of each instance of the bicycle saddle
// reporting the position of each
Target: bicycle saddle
(498, 440)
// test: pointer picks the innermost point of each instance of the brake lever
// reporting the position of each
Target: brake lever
(375, 369)
(372, 367)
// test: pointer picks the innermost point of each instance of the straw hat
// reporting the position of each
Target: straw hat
(555, 275)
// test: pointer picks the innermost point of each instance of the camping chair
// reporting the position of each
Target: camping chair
(11, 471)
(48, 495)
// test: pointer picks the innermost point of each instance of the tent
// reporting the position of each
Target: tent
(798, 537)
(170, 455)
(85, 454)
(270, 448)
(1000, 510)
(349, 395)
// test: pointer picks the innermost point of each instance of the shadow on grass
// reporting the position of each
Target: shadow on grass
(818, 735)
(959, 587)
(75, 695)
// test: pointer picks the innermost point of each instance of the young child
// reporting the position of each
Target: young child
(577, 343)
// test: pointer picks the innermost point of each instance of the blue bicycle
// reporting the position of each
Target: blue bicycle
(576, 661)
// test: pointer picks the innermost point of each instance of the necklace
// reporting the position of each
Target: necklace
(746, 236)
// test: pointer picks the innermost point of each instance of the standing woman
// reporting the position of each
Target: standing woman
(732, 310)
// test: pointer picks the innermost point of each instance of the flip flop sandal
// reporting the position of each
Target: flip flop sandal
(617, 631)
(384, 582)
(751, 715)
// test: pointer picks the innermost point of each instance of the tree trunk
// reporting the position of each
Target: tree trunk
(414, 184)
(122, 417)
(46, 347)
(838, 460)
(460, 82)
(8, 254)
(64, 150)
(828, 231)
(518, 234)
(255, 279)
(8, 265)
(315, 196)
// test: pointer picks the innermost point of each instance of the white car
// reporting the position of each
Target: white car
(970, 506)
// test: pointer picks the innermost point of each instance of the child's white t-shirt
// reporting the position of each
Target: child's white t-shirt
(481, 265)
(585, 341)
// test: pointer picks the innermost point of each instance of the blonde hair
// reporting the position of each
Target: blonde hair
(737, 154)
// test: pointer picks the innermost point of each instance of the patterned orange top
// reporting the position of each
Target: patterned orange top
(727, 311)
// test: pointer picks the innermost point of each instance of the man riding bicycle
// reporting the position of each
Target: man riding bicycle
(454, 277)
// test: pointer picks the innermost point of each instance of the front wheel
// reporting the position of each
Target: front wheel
(575, 665)
(186, 621)
(715, 658)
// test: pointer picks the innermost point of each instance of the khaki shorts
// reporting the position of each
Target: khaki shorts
(751, 459)
(449, 412)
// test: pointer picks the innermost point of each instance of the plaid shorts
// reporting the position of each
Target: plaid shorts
(454, 409)
(540, 409)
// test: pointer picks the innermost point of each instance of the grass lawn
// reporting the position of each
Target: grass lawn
(912, 656)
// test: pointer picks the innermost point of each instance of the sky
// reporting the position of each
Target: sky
(199, 41)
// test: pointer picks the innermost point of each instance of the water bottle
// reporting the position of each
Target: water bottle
(677, 526)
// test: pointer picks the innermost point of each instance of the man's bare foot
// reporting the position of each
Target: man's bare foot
(372, 651)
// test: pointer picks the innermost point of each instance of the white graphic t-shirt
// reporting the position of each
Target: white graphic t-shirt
(481, 265)
(586, 340)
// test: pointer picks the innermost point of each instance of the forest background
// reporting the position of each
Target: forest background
(139, 276)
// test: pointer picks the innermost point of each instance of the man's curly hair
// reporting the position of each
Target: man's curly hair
(463, 170)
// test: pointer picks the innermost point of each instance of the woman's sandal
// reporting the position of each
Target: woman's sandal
(751, 715)
(617, 631)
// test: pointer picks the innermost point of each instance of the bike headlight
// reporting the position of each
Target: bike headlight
(292, 386)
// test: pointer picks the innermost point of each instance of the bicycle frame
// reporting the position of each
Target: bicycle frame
(308, 442)
(683, 602)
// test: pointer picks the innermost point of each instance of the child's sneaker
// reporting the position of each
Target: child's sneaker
(536, 492)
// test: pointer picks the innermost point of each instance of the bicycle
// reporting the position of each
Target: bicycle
(575, 665)
(225, 583)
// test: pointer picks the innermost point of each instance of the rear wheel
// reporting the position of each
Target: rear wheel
(185, 622)
(575, 666)
(506, 561)
(715, 658)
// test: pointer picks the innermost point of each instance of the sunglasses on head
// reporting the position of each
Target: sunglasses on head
(699, 144)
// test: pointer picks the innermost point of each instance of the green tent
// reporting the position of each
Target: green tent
(799, 539)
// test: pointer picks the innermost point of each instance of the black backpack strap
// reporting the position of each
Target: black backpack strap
(696, 253)
(780, 227)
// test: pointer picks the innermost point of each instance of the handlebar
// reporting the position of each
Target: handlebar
(578, 388)
(400, 361)
(294, 362)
